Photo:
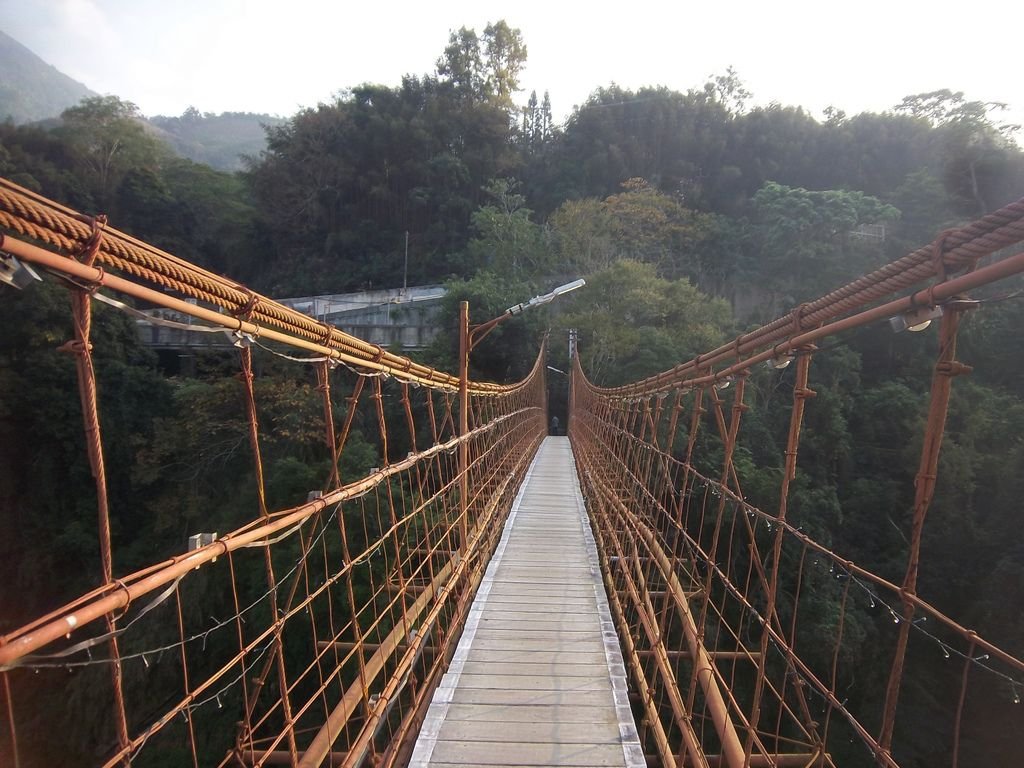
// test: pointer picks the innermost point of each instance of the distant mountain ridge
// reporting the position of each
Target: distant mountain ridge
(219, 141)
(31, 89)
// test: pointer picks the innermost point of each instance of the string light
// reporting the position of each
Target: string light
(947, 650)
(40, 661)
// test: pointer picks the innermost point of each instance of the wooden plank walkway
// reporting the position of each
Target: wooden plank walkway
(537, 678)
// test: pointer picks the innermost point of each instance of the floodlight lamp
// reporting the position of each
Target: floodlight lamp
(16, 273)
(724, 383)
(780, 362)
(569, 287)
(546, 298)
(915, 320)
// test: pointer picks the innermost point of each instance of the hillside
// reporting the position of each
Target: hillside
(219, 141)
(31, 89)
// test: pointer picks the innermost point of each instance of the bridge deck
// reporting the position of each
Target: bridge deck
(537, 678)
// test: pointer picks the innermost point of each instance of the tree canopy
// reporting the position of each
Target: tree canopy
(690, 214)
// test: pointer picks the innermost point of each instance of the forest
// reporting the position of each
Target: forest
(693, 217)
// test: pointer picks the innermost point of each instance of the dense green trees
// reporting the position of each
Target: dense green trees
(674, 206)
(109, 142)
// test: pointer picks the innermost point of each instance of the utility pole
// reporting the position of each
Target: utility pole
(405, 272)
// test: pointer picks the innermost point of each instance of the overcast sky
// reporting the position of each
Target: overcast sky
(276, 57)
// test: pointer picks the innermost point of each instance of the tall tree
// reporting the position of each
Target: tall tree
(462, 65)
(980, 153)
(506, 240)
(110, 139)
(505, 54)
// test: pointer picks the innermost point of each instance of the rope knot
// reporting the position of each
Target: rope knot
(245, 311)
(76, 347)
(938, 250)
(798, 318)
(91, 247)
(952, 368)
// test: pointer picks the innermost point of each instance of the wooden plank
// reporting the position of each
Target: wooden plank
(533, 644)
(541, 604)
(497, 753)
(501, 765)
(515, 619)
(529, 713)
(536, 682)
(537, 678)
(581, 699)
(511, 656)
(536, 668)
(535, 732)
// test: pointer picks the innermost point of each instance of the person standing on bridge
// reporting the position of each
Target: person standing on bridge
(554, 425)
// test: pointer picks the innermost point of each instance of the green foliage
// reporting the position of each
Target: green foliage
(978, 150)
(101, 159)
(109, 139)
(506, 240)
(509, 351)
(633, 323)
(805, 242)
(639, 224)
(484, 69)
(47, 495)
(667, 202)
(340, 185)
(219, 141)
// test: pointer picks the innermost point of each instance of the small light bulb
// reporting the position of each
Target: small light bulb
(945, 652)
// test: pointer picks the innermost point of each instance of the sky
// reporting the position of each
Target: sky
(278, 57)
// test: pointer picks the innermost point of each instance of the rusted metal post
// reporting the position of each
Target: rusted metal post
(463, 426)
(801, 393)
(946, 367)
(323, 376)
(247, 379)
(81, 348)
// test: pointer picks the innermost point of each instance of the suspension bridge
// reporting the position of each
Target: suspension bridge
(487, 594)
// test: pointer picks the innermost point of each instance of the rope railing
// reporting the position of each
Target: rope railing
(307, 635)
(738, 625)
(35, 219)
